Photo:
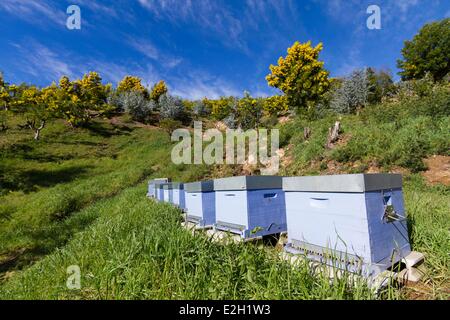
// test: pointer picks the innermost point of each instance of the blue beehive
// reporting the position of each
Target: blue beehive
(160, 191)
(152, 189)
(356, 218)
(200, 203)
(251, 206)
(178, 195)
(167, 192)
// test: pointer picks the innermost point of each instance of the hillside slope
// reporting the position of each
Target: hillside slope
(71, 199)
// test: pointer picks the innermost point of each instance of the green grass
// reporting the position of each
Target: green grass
(77, 197)
(45, 182)
(428, 210)
(137, 249)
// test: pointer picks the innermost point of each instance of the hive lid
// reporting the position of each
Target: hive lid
(167, 186)
(343, 183)
(160, 185)
(177, 185)
(161, 180)
(248, 183)
(200, 186)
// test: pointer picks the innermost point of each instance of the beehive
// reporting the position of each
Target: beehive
(358, 219)
(179, 195)
(200, 203)
(152, 190)
(251, 206)
(159, 186)
(168, 192)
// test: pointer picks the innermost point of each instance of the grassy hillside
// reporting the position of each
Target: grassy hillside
(78, 197)
(43, 183)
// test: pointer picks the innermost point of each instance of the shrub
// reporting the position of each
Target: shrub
(169, 125)
(380, 85)
(131, 83)
(300, 75)
(249, 112)
(171, 107)
(275, 105)
(200, 109)
(428, 51)
(115, 101)
(230, 121)
(352, 94)
(137, 106)
(158, 90)
(222, 108)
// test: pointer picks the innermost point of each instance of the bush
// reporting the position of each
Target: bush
(300, 75)
(222, 108)
(169, 125)
(200, 109)
(171, 108)
(249, 112)
(231, 121)
(137, 105)
(275, 105)
(115, 101)
(352, 94)
(427, 52)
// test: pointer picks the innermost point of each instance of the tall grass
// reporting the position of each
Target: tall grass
(49, 180)
(137, 249)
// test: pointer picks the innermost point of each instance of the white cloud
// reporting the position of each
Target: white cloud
(145, 47)
(198, 85)
(40, 61)
(34, 11)
(149, 50)
(212, 16)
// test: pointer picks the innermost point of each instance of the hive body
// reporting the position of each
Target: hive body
(359, 218)
(251, 206)
(200, 203)
(179, 195)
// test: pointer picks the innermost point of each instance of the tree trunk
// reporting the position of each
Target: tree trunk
(333, 134)
(306, 133)
(37, 131)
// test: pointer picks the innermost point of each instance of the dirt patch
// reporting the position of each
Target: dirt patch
(438, 170)
(284, 119)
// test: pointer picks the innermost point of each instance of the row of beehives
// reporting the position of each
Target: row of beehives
(358, 218)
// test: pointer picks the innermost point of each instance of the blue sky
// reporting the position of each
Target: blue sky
(200, 47)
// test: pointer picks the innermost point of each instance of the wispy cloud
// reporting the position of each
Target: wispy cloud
(41, 62)
(198, 85)
(44, 63)
(149, 50)
(213, 16)
(34, 11)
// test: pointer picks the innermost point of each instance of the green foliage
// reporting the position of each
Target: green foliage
(380, 85)
(199, 109)
(275, 105)
(300, 75)
(135, 103)
(169, 125)
(352, 94)
(44, 183)
(158, 90)
(131, 83)
(221, 108)
(79, 100)
(249, 112)
(171, 108)
(428, 51)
